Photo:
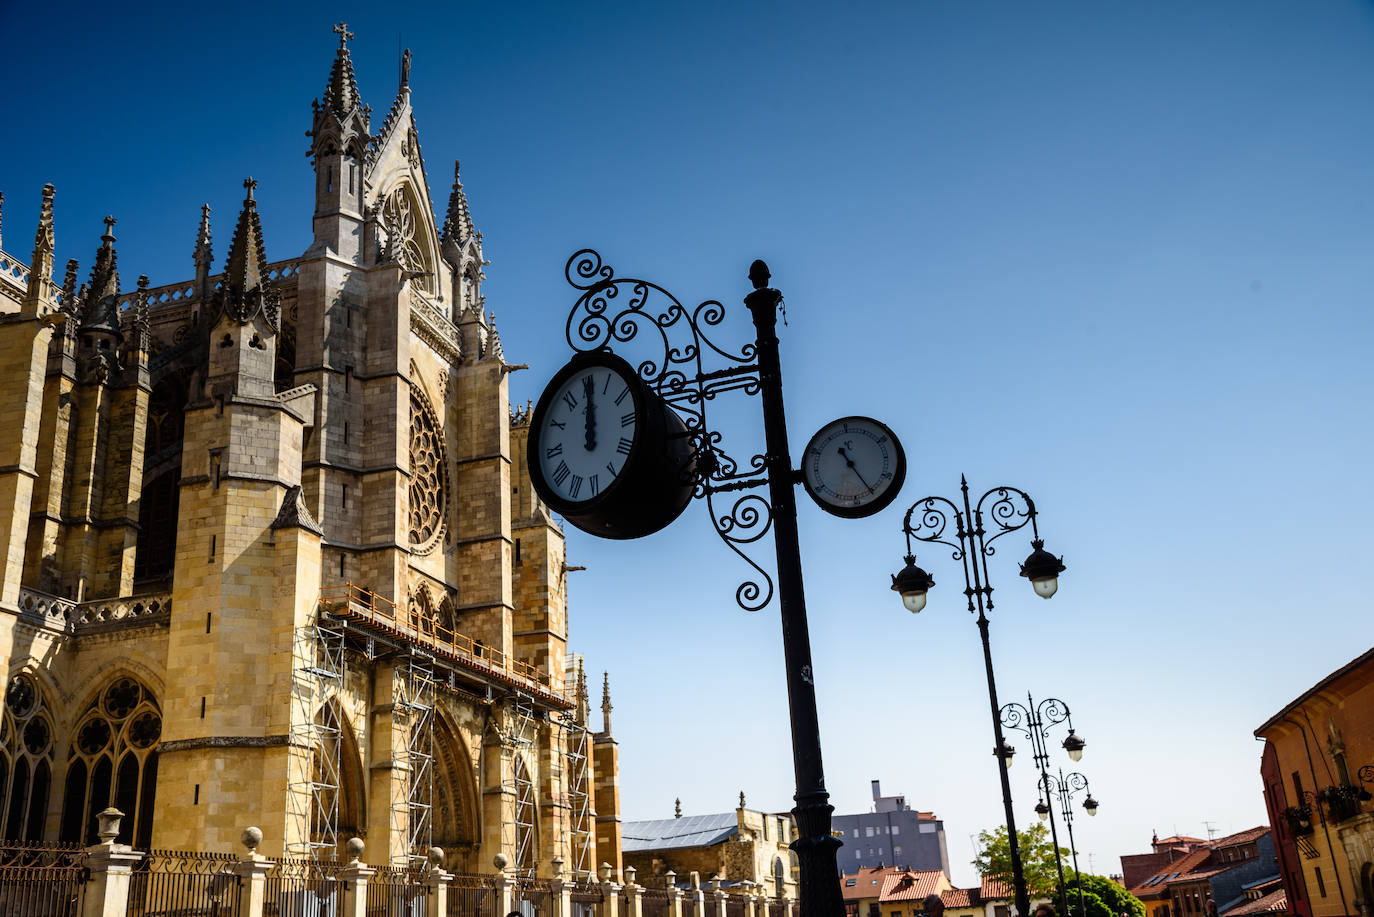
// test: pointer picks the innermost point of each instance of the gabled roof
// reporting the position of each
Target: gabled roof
(1275, 901)
(910, 885)
(1351, 666)
(995, 888)
(1197, 876)
(1248, 836)
(867, 882)
(672, 833)
(1156, 884)
(957, 897)
(1178, 840)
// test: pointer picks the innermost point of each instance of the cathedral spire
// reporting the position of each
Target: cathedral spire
(102, 292)
(204, 256)
(341, 93)
(41, 287)
(493, 350)
(2, 212)
(583, 705)
(458, 223)
(243, 295)
(606, 703)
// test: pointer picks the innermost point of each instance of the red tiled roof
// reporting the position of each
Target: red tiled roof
(1155, 885)
(956, 897)
(1275, 901)
(1178, 839)
(995, 888)
(868, 882)
(1196, 876)
(913, 886)
(1248, 836)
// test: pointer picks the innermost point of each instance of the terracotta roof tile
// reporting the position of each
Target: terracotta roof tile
(868, 882)
(957, 897)
(913, 886)
(1275, 901)
(1248, 836)
(995, 888)
(1156, 884)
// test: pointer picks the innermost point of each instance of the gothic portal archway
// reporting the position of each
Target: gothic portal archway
(455, 824)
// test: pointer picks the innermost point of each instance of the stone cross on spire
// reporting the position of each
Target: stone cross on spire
(345, 35)
(251, 184)
(109, 227)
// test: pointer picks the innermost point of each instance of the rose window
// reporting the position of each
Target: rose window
(427, 491)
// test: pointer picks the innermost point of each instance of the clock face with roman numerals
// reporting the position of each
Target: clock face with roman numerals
(587, 426)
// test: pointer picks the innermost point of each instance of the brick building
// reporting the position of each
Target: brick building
(1223, 870)
(268, 551)
(1317, 770)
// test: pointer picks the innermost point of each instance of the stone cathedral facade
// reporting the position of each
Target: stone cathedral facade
(268, 550)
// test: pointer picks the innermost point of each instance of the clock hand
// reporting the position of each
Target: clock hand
(589, 389)
(850, 462)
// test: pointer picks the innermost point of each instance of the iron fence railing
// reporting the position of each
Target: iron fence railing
(171, 882)
(299, 886)
(656, 902)
(736, 906)
(393, 892)
(473, 896)
(533, 898)
(586, 900)
(41, 880)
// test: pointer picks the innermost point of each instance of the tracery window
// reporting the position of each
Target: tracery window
(26, 740)
(428, 494)
(113, 762)
(401, 223)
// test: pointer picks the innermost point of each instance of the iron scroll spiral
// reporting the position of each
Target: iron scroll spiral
(676, 348)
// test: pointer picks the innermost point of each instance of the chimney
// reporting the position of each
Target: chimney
(877, 793)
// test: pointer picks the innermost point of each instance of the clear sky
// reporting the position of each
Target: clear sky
(1115, 254)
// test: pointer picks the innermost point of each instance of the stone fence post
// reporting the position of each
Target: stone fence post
(353, 881)
(611, 893)
(252, 869)
(715, 898)
(505, 885)
(634, 894)
(674, 894)
(436, 881)
(695, 905)
(111, 865)
(560, 892)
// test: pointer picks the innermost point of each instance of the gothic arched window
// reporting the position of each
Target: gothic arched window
(405, 237)
(26, 739)
(428, 474)
(113, 762)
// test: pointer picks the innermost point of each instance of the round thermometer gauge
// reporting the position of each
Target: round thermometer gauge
(853, 467)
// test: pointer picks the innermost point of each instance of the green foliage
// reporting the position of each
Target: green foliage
(1037, 859)
(1103, 898)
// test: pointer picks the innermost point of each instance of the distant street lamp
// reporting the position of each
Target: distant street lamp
(1007, 509)
(1066, 788)
(1035, 720)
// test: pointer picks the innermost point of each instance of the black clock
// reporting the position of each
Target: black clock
(606, 453)
(853, 467)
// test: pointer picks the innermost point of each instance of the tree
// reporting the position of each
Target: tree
(1037, 859)
(1103, 898)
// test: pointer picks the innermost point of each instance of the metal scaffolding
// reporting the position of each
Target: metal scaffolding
(413, 696)
(581, 838)
(518, 834)
(317, 675)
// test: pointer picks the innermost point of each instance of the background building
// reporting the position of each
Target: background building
(743, 846)
(1317, 770)
(1233, 871)
(891, 835)
(890, 891)
(268, 551)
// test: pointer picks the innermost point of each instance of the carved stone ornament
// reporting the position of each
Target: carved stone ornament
(399, 221)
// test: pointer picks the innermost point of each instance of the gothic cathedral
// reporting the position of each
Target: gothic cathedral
(268, 551)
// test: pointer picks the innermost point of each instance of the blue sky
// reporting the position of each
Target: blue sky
(1117, 255)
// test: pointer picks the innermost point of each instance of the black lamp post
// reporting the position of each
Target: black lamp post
(1066, 787)
(1007, 510)
(1034, 721)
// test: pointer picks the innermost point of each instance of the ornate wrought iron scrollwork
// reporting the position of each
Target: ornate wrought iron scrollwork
(1010, 509)
(688, 370)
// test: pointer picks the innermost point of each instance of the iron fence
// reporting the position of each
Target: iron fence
(586, 900)
(656, 902)
(303, 888)
(41, 880)
(173, 883)
(533, 898)
(473, 896)
(393, 892)
(736, 906)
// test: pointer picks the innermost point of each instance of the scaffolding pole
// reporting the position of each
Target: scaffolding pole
(580, 835)
(518, 834)
(317, 675)
(412, 816)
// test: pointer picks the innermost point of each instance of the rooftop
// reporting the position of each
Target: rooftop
(672, 833)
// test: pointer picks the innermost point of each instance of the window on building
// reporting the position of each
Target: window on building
(25, 760)
(896, 829)
(868, 831)
(113, 763)
(896, 850)
(1001, 910)
(856, 832)
(1321, 885)
(858, 855)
